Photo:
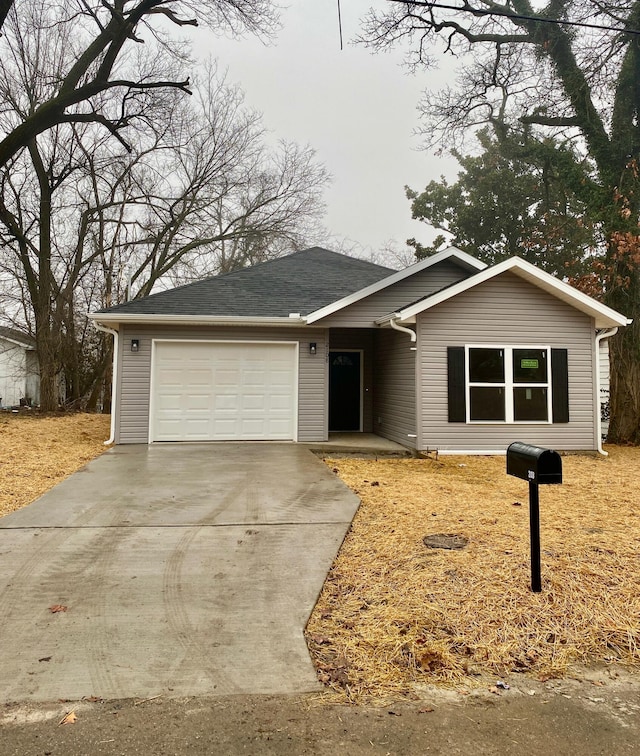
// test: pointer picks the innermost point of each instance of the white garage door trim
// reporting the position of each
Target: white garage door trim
(293, 346)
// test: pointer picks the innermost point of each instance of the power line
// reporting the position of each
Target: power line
(515, 16)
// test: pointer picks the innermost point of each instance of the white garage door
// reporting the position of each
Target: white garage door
(223, 391)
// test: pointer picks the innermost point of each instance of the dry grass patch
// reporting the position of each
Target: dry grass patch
(36, 452)
(394, 615)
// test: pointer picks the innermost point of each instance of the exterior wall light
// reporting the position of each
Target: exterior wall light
(135, 345)
(312, 348)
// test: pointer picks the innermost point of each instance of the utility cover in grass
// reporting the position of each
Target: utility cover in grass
(445, 541)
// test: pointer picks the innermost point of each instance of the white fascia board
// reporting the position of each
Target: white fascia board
(604, 316)
(114, 319)
(384, 320)
(464, 259)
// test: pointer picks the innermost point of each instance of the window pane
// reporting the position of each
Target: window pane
(487, 403)
(530, 365)
(486, 365)
(530, 404)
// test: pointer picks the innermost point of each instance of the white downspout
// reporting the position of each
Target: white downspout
(599, 337)
(114, 379)
(403, 329)
(414, 337)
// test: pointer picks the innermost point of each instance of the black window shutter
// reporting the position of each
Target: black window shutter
(455, 382)
(559, 386)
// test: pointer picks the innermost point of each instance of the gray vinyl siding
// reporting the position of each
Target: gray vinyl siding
(357, 338)
(505, 311)
(134, 375)
(394, 403)
(363, 314)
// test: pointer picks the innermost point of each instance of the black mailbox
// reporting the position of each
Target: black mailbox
(533, 463)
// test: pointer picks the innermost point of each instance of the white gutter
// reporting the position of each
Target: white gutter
(140, 319)
(599, 337)
(114, 379)
(402, 329)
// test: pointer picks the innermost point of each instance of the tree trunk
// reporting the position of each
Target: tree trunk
(101, 385)
(624, 401)
(622, 293)
(107, 409)
(48, 371)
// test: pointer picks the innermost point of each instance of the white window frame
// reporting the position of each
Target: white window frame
(508, 384)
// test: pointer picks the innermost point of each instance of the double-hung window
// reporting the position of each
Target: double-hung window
(508, 384)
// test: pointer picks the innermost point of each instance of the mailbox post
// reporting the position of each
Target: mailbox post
(537, 466)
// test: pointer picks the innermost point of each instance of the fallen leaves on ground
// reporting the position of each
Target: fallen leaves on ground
(394, 615)
(69, 718)
(38, 451)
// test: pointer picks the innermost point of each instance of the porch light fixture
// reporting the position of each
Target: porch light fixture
(312, 348)
(135, 345)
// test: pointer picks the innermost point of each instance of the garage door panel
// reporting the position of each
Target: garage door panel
(168, 402)
(256, 378)
(199, 377)
(278, 402)
(170, 377)
(197, 402)
(253, 402)
(227, 377)
(223, 391)
(278, 429)
(223, 430)
(226, 403)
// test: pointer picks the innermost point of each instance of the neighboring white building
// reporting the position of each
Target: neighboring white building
(19, 374)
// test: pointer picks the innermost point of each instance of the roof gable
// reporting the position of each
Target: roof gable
(452, 254)
(604, 316)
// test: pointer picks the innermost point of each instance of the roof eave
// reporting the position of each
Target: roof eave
(115, 318)
(464, 259)
(604, 316)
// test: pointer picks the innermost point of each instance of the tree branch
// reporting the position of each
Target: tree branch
(541, 120)
(108, 44)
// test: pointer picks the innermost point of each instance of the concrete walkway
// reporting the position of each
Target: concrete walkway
(359, 443)
(186, 569)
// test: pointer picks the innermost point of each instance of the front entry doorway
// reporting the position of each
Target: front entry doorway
(345, 391)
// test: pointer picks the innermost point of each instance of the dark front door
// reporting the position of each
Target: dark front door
(344, 391)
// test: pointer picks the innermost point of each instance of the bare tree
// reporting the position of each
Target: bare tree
(85, 220)
(571, 70)
(73, 69)
(98, 36)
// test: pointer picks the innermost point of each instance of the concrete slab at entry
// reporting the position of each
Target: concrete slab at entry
(186, 569)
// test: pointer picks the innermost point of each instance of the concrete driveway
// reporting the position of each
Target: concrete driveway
(186, 569)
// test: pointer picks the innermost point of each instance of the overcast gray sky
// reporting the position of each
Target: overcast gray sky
(356, 109)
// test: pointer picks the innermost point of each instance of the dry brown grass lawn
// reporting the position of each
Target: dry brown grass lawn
(394, 615)
(36, 452)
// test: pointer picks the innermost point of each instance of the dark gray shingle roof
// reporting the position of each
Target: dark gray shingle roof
(301, 282)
